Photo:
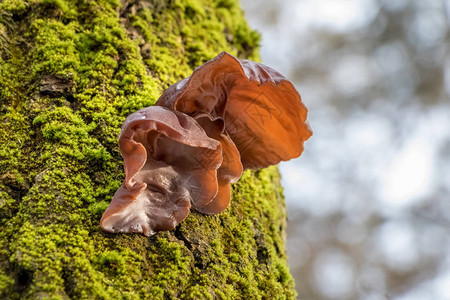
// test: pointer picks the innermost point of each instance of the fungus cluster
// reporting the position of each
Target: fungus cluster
(203, 131)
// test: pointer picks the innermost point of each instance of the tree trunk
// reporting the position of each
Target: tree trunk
(70, 72)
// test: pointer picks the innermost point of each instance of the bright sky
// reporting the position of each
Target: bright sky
(334, 15)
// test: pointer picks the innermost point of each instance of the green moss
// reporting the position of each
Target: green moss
(70, 72)
(13, 5)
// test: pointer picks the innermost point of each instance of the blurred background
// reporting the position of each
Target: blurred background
(369, 200)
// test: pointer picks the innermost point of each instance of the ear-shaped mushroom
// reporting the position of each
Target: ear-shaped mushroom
(169, 163)
(262, 110)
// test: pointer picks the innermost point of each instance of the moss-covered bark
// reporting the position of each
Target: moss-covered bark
(70, 72)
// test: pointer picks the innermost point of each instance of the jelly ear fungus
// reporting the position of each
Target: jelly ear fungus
(161, 150)
(203, 131)
(262, 111)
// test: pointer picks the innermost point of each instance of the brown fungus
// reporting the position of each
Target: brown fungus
(231, 169)
(261, 109)
(230, 114)
(169, 163)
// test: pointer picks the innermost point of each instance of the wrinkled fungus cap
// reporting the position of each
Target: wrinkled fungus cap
(262, 111)
(169, 163)
(229, 115)
(231, 169)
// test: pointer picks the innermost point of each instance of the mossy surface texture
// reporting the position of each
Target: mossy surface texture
(70, 72)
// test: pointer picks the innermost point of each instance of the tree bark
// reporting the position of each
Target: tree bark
(70, 72)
